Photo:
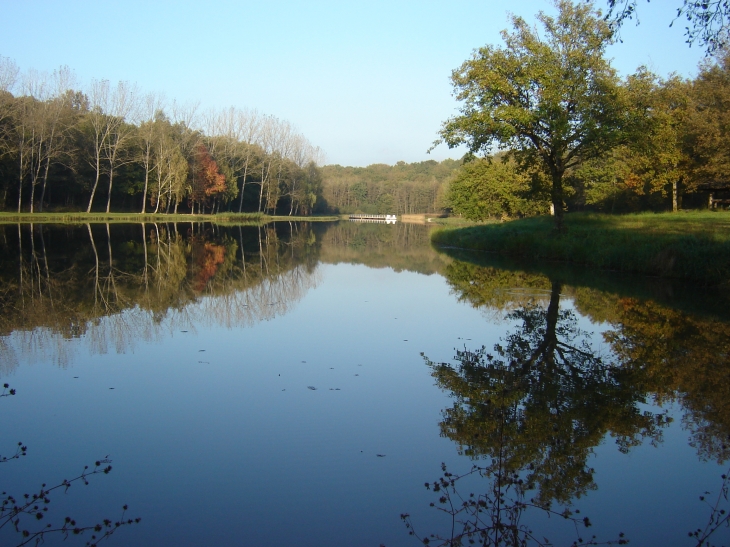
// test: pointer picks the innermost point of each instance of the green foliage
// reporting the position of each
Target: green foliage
(551, 98)
(404, 188)
(709, 123)
(484, 189)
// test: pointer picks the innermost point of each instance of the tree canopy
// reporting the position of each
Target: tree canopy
(552, 98)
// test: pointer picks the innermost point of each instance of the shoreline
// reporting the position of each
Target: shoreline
(104, 218)
(691, 246)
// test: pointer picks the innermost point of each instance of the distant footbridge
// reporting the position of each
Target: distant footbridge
(381, 219)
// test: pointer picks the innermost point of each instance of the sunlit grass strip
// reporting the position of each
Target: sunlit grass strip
(694, 246)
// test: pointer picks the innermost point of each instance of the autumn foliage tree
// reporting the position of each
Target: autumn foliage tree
(207, 181)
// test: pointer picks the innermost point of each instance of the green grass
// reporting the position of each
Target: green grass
(693, 246)
(83, 218)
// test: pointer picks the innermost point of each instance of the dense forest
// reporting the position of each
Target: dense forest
(572, 134)
(114, 148)
(403, 188)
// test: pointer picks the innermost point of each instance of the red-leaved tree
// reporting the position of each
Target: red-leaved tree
(207, 180)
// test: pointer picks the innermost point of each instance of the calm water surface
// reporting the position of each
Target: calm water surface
(297, 384)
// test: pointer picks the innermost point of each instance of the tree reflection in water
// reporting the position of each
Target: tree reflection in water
(115, 285)
(534, 408)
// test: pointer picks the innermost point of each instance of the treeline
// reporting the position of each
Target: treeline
(404, 188)
(114, 148)
(682, 147)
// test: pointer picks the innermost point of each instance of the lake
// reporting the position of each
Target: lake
(301, 383)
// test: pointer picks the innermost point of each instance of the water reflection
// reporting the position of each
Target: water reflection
(540, 401)
(536, 405)
(115, 285)
(577, 372)
(669, 354)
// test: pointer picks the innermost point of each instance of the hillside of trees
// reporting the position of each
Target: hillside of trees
(404, 188)
(113, 148)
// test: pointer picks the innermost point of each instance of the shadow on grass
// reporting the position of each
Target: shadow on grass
(688, 246)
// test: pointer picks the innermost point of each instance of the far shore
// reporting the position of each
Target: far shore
(92, 218)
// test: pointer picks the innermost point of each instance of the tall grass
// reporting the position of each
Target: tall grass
(690, 245)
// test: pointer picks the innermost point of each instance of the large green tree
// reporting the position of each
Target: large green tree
(551, 97)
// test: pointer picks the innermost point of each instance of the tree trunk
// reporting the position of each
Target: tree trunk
(144, 192)
(111, 180)
(675, 196)
(96, 182)
(243, 187)
(20, 185)
(45, 182)
(556, 195)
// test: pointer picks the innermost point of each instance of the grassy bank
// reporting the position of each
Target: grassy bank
(693, 246)
(83, 218)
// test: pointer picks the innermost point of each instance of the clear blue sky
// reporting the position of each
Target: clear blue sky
(368, 82)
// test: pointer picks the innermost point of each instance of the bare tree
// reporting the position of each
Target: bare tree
(8, 78)
(110, 133)
(123, 105)
(57, 123)
(150, 106)
(100, 124)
